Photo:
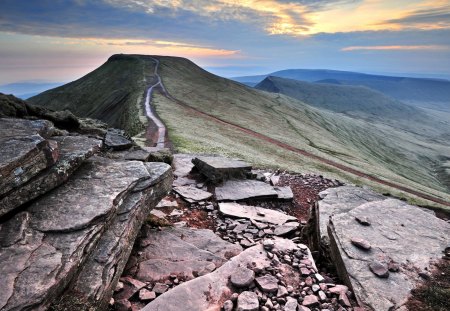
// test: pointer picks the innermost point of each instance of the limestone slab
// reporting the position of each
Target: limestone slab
(254, 212)
(235, 190)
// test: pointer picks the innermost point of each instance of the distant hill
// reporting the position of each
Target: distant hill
(430, 93)
(25, 90)
(357, 101)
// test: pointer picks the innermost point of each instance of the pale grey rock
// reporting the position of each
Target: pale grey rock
(235, 190)
(398, 233)
(284, 193)
(291, 304)
(158, 213)
(310, 301)
(192, 194)
(341, 200)
(182, 164)
(167, 203)
(218, 169)
(267, 283)
(247, 301)
(228, 305)
(254, 213)
(207, 292)
(242, 277)
(286, 228)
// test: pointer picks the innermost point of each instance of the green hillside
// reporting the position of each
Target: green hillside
(112, 93)
(203, 113)
(356, 101)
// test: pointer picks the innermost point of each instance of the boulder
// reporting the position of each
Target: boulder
(73, 151)
(218, 169)
(398, 233)
(235, 190)
(254, 213)
(59, 234)
(159, 154)
(284, 193)
(208, 292)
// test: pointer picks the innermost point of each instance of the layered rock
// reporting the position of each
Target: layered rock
(235, 190)
(73, 150)
(24, 154)
(55, 235)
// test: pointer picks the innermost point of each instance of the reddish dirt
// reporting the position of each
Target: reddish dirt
(306, 192)
(434, 293)
(308, 154)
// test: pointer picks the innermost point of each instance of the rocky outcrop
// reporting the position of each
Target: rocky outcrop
(68, 218)
(380, 245)
(65, 225)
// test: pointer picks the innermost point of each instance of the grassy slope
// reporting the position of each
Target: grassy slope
(112, 93)
(374, 148)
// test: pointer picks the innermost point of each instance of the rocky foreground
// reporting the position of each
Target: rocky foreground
(90, 221)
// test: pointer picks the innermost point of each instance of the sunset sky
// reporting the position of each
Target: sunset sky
(61, 40)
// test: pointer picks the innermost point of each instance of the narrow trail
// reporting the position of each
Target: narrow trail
(161, 141)
(297, 150)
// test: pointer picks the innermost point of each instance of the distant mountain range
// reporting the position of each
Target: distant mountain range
(25, 90)
(428, 93)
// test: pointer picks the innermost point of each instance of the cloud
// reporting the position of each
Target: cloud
(396, 48)
(438, 17)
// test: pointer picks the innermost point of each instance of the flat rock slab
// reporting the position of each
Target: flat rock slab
(235, 190)
(340, 200)
(255, 213)
(398, 233)
(210, 291)
(284, 193)
(184, 252)
(73, 150)
(192, 194)
(218, 169)
(25, 151)
(54, 235)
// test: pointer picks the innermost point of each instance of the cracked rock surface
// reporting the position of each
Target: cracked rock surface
(403, 238)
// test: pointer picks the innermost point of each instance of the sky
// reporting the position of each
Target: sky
(62, 40)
